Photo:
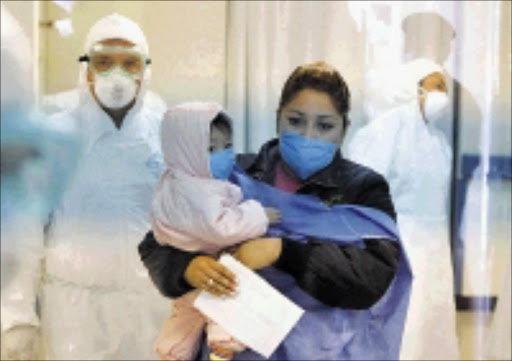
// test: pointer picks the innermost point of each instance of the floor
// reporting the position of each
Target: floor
(471, 331)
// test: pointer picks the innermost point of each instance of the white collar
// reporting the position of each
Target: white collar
(95, 123)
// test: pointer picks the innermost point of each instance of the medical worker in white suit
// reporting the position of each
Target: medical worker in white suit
(96, 298)
(405, 145)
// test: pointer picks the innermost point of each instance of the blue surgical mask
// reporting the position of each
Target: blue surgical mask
(306, 155)
(222, 163)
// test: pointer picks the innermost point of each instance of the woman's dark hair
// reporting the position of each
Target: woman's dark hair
(322, 77)
(223, 123)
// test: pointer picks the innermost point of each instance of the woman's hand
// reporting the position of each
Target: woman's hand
(204, 272)
(260, 252)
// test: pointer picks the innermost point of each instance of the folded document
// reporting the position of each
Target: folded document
(258, 315)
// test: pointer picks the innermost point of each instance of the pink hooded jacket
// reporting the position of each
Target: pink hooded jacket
(194, 212)
(191, 210)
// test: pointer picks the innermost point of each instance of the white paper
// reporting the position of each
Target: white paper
(258, 315)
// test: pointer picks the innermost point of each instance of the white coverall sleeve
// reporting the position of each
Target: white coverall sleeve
(18, 297)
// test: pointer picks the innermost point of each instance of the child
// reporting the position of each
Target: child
(196, 209)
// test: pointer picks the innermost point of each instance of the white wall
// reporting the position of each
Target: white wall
(188, 48)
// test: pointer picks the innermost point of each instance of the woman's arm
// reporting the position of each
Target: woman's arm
(341, 276)
(166, 266)
(176, 272)
(346, 276)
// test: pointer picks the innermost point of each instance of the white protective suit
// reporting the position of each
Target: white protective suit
(415, 158)
(97, 301)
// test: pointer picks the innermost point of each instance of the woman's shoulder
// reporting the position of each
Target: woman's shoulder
(261, 161)
(245, 160)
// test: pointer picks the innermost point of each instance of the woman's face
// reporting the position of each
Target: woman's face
(311, 114)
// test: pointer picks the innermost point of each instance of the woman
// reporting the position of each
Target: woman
(407, 148)
(312, 117)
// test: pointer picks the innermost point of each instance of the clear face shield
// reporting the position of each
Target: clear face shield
(103, 60)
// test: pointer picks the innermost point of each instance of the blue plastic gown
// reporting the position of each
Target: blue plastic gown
(327, 333)
(37, 162)
(36, 165)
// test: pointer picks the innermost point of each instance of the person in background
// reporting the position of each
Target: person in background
(405, 145)
(89, 281)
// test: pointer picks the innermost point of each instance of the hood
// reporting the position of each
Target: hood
(185, 137)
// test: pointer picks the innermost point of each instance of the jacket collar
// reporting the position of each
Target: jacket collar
(264, 167)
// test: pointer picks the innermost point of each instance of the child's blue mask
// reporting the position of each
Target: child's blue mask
(306, 155)
(222, 163)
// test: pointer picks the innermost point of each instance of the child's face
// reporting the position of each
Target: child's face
(219, 140)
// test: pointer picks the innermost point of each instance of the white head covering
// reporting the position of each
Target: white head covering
(115, 26)
(409, 76)
(185, 137)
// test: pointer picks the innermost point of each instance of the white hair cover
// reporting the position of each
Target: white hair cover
(115, 26)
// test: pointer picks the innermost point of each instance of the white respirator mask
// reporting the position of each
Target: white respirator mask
(436, 106)
(115, 89)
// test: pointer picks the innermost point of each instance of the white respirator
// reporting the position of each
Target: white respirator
(115, 89)
(436, 106)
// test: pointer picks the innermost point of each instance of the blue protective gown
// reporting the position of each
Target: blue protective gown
(331, 333)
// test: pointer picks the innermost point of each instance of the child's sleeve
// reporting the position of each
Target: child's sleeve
(238, 223)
